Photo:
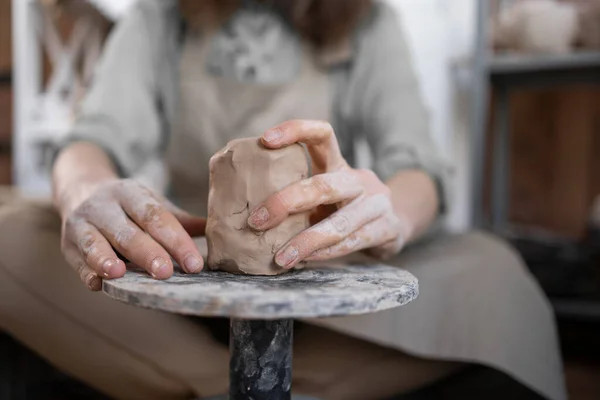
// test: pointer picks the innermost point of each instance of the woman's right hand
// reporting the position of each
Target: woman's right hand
(125, 216)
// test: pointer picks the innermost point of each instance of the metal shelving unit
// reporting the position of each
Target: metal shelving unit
(505, 73)
(501, 74)
(512, 64)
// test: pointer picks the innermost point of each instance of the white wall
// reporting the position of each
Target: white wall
(440, 32)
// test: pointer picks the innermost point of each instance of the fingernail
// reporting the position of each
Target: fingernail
(94, 282)
(192, 263)
(272, 136)
(108, 267)
(258, 217)
(287, 257)
(158, 267)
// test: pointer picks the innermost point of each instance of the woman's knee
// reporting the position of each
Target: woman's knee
(28, 217)
(486, 242)
(29, 237)
(463, 251)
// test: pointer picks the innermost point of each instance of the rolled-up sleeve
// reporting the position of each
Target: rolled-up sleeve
(119, 112)
(387, 105)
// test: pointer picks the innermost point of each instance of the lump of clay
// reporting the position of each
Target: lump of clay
(242, 175)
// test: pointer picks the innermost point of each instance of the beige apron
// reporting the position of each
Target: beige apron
(477, 302)
(215, 110)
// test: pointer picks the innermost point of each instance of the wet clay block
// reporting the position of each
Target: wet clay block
(242, 175)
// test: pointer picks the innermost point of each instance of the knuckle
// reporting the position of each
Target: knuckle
(341, 223)
(123, 187)
(352, 242)
(280, 202)
(381, 202)
(124, 183)
(327, 128)
(152, 214)
(177, 244)
(379, 199)
(324, 253)
(148, 250)
(372, 181)
(97, 259)
(87, 243)
(125, 236)
(322, 184)
(146, 191)
(349, 181)
(366, 174)
(305, 243)
(82, 271)
(81, 212)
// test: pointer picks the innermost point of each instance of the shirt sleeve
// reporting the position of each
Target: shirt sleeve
(120, 112)
(387, 106)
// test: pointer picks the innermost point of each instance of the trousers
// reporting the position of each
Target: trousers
(133, 353)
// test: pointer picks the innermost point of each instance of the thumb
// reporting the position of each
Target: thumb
(193, 225)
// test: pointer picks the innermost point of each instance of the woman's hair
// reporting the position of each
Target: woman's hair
(321, 22)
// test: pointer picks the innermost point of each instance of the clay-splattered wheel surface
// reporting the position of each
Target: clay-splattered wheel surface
(312, 292)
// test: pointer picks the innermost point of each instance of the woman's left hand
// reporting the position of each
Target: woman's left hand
(363, 216)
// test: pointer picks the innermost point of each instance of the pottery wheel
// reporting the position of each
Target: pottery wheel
(262, 309)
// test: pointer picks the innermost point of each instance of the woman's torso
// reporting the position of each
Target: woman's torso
(251, 74)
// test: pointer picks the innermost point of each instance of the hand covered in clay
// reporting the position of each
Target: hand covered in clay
(353, 205)
(126, 216)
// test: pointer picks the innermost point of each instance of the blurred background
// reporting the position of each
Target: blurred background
(512, 91)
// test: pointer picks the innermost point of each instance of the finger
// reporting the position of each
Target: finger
(317, 135)
(332, 230)
(306, 195)
(379, 234)
(388, 249)
(87, 275)
(134, 244)
(193, 225)
(96, 251)
(164, 228)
